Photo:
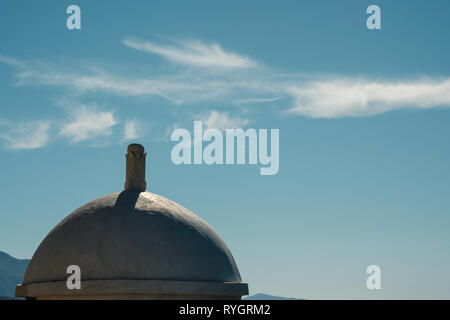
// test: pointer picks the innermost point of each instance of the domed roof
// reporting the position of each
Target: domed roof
(133, 243)
(133, 235)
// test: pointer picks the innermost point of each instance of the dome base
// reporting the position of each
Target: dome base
(133, 290)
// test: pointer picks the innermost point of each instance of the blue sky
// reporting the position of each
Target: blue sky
(363, 118)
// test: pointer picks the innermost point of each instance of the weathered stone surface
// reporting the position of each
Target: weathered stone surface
(133, 235)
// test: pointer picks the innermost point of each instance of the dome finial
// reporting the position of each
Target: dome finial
(135, 176)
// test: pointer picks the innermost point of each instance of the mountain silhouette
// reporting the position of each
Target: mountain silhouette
(263, 296)
(12, 271)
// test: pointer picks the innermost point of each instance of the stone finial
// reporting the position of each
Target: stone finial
(135, 176)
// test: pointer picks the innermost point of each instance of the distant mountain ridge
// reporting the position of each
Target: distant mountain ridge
(12, 271)
(263, 296)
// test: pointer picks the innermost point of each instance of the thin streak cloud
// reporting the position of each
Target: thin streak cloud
(194, 53)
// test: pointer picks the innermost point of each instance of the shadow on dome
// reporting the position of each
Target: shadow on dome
(127, 199)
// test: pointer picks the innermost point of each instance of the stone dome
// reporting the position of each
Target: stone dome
(134, 242)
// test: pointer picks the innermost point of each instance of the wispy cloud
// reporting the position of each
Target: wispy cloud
(131, 130)
(87, 123)
(194, 53)
(26, 135)
(177, 89)
(315, 96)
(256, 100)
(222, 121)
(346, 97)
(10, 61)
